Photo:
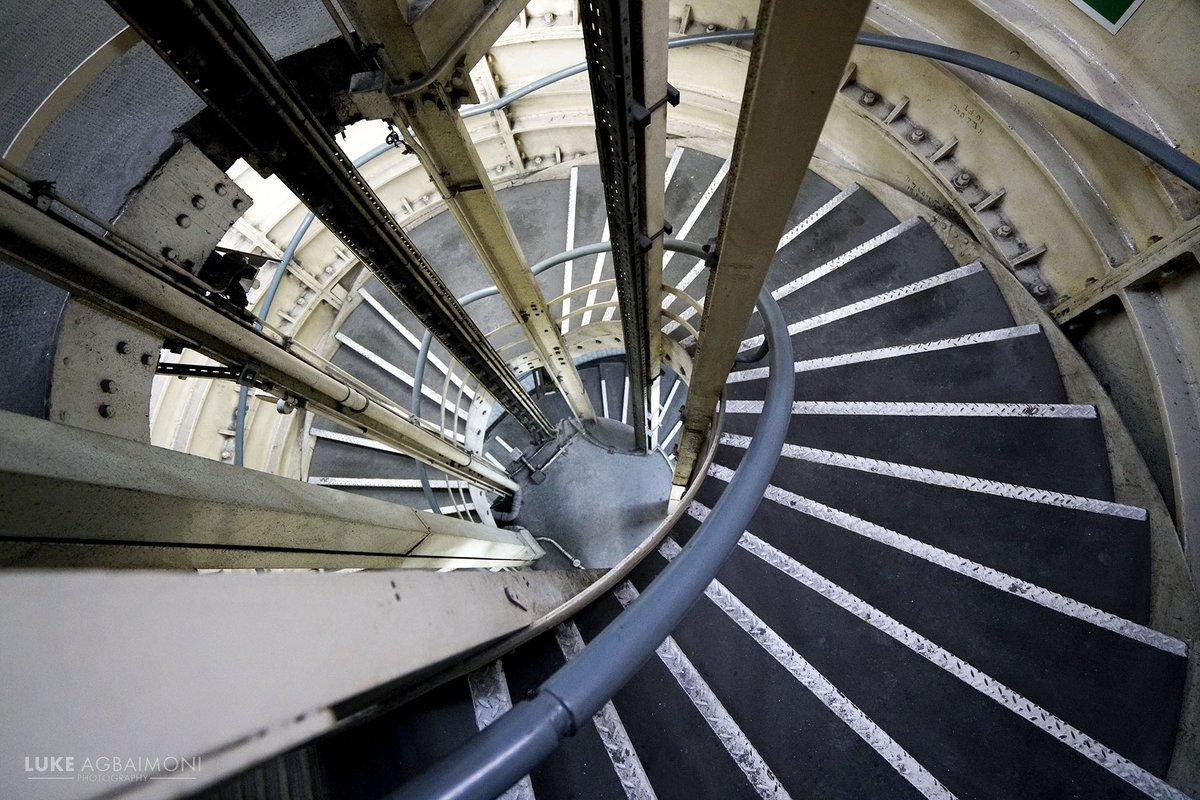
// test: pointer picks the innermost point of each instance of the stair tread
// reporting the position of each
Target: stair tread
(1098, 559)
(580, 767)
(651, 697)
(1007, 449)
(1016, 370)
(976, 748)
(1058, 661)
(914, 254)
(962, 306)
(810, 750)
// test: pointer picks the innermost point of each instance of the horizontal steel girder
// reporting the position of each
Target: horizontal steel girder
(83, 499)
(228, 670)
(93, 270)
(214, 50)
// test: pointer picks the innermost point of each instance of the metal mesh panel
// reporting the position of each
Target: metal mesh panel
(29, 312)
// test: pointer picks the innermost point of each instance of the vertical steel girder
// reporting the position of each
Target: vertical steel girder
(624, 66)
(214, 50)
(800, 52)
(448, 154)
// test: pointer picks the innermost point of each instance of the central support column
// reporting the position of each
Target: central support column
(445, 149)
(626, 45)
(800, 52)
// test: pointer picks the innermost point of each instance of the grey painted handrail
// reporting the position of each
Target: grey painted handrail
(495, 759)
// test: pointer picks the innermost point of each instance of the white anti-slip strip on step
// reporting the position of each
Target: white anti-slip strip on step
(966, 567)
(871, 408)
(965, 672)
(873, 302)
(898, 351)
(949, 480)
(811, 678)
(732, 737)
(845, 258)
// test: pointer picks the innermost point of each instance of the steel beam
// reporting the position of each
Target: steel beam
(1156, 262)
(446, 151)
(226, 670)
(799, 56)
(93, 270)
(215, 51)
(83, 499)
(623, 69)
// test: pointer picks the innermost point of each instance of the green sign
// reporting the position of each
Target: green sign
(1111, 14)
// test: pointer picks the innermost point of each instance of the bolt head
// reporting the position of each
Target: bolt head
(538, 160)
(147, 359)
(107, 411)
(238, 204)
(868, 98)
(198, 201)
(548, 17)
(221, 189)
(1041, 290)
(183, 221)
(169, 253)
(916, 136)
(226, 455)
(123, 348)
(962, 180)
(710, 28)
(108, 386)
(1004, 231)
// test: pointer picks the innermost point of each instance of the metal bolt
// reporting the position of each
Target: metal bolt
(107, 411)
(916, 136)
(538, 160)
(107, 386)
(123, 348)
(301, 301)
(198, 201)
(329, 270)
(238, 203)
(548, 17)
(962, 180)
(226, 455)
(425, 198)
(169, 253)
(1004, 231)
(499, 170)
(710, 28)
(221, 189)
(183, 221)
(1040, 289)
(147, 359)
(869, 98)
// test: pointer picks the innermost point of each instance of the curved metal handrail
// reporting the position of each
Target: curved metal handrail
(518, 741)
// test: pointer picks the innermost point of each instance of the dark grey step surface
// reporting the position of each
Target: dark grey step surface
(957, 308)
(1064, 667)
(652, 707)
(1121, 691)
(1007, 449)
(960, 736)
(914, 254)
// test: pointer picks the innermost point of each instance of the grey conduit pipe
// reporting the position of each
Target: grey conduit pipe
(518, 741)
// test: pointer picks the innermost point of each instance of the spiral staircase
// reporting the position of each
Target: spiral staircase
(948, 588)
